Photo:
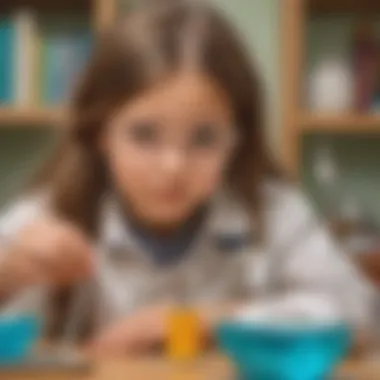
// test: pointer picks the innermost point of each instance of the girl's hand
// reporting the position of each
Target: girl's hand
(135, 334)
(49, 251)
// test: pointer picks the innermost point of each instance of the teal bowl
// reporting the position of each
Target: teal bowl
(284, 352)
(18, 334)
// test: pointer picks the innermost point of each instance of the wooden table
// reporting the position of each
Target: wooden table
(207, 368)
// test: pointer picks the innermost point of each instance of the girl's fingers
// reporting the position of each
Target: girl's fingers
(132, 336)
(115, 342)
(44, 264)
(65, 256)
(26, 268)
(19, 274)
(79, 253)
(106, 347)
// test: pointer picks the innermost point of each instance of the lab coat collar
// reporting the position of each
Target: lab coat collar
(227, 220)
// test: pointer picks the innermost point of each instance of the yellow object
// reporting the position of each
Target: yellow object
(184, 337)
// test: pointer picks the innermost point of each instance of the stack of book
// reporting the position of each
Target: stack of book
(40, 59)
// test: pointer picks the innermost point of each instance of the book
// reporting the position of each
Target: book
(64, 54)
(26, 58)
(365, 66)
(6, 60)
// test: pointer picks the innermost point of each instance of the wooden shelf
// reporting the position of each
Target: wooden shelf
(344, 6)
(30, 117)
(347, 123)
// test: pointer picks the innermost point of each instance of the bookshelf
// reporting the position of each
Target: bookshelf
(298, 121)
(98, 14)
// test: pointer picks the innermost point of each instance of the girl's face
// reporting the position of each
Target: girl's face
(167, 149)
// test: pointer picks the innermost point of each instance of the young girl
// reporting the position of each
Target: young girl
(163, 190)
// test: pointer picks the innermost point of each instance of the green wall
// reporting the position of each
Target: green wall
(21, 152)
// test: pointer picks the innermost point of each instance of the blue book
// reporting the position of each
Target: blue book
(65, 55)
(7, 39)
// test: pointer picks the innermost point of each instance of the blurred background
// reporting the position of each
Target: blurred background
(320, 61)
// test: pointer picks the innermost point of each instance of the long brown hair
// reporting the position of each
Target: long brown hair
(153, 40)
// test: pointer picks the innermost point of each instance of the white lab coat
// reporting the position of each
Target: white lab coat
(299, 256)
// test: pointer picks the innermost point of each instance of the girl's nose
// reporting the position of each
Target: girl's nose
(173, 161)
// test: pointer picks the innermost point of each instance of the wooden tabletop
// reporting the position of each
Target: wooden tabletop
(208, 368)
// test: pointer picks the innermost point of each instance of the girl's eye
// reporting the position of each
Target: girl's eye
(206, 136)
(144, 133)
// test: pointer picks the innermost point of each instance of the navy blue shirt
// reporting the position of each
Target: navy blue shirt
(167, 250)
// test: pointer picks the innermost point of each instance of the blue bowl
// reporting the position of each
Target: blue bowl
(18, 334)
(284, 352)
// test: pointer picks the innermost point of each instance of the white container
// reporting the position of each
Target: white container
(331, 86)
